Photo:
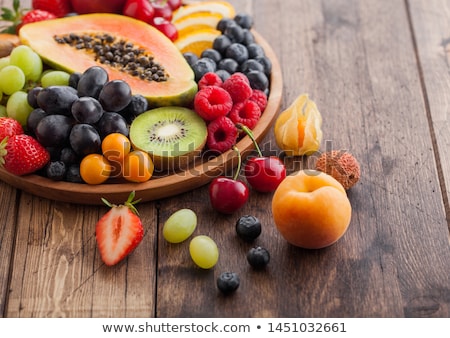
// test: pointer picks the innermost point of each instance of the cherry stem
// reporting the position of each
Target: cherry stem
(238, 169)
(248, 131)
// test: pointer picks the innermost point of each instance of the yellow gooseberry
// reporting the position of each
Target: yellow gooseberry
(115, 147)
(137, 166)
(95, 169)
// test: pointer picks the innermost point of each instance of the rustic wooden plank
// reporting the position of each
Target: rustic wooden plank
(357, 61)
(8, 214)
(58, 272)
(431, 31)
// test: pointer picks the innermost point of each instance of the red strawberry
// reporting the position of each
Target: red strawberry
(58, 7)
(9, 127)
(22, 154)
(119, 231)
(35, 15)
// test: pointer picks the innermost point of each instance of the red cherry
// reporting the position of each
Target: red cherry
(139, 9)
(162, 9)
(175, 4)
(166, 27)
(227, 195)
(264, 174)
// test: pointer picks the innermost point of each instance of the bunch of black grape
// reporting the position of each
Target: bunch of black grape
(71, 121)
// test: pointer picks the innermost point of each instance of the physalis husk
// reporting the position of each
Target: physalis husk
(298, 128)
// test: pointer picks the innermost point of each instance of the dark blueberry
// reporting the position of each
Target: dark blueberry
(251, 65)
(224, 23)
(137, 106)
(223, 74)
(87, 110)
(248, 228)
(212, 54)
(255, 51)
(267, 64)
(244, 20)
(228, 282)
(228, 64)
(258, 80)
(68, 156)
(235, 33)
(237, 52)
(92, 81)
(249, 38)
(112, 123)
(32, 97)
(84, 139)
(73, 174)
(191, 58)
(258, 257)
(73, 79)
(221, 43)
(203, 66)
(33, 119)
(56, 170)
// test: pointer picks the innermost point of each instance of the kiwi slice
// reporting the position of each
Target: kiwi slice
(173, 136)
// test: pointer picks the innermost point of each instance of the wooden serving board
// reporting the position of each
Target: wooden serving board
(165, 186)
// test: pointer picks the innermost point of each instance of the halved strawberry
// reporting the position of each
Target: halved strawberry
(119, 231)
(22, 154)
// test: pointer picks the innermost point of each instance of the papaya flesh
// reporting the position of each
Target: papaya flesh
(175, 87)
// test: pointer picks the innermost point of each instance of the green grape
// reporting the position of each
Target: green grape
(4, 61)
(180, 225)
(3, 111)
(26, 59)
(204, 251)
(18, 108)
(12, 79)
(36, 73)
(55, 78)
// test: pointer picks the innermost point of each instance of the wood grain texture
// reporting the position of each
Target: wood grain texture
(379, 99)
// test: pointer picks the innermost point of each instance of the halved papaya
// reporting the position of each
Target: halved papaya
(51, 40)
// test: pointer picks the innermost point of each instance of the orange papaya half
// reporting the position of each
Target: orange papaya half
(47, 38)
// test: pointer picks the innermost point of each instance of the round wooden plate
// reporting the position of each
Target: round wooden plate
(165, 186)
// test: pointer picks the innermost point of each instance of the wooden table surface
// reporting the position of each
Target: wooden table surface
(379, 73)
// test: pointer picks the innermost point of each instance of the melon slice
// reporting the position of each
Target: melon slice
(178, 89)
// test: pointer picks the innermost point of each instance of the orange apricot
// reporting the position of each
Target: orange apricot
(311, 209)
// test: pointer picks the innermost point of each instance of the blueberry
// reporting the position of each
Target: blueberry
(212, 54)
(258, 80)
(228, 282)
(73, 174)
(224, 23)
(255, 51)
(223, 74)
(235, 33)
(56, 170)
(248, 37)
(237, 52)
(248, 228)
(221, 43)
(251, 65)
(267, 64)
(203, 66)
(244, 20)
(228, 64)
(190, 58)
(258, 257)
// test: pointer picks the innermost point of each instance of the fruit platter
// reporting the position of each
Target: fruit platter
(179, 87)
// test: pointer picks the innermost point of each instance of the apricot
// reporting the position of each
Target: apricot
(311, 209)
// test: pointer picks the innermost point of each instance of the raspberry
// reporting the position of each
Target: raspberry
(222, 134)
(212, 102)
(260, 98)
(246, 113)
(238, 86)
(210, 79)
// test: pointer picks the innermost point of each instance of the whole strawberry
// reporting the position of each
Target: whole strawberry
(22, 154)
(119, 231)
(9, 127)
(58, 7)
(35, 15)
